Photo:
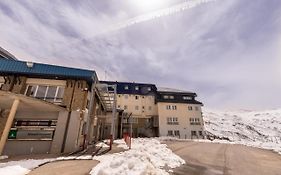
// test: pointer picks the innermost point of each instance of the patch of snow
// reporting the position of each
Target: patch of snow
(147, 156)
(257, 129)
(3, 157)
(121, 144)
(101, 144)
(21, 167)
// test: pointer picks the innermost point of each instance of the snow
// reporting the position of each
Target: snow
(147, 156)
(21, 167)
(3, 157)
(260, 129)
(101, 144)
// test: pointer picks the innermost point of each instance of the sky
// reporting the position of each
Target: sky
(227, 51)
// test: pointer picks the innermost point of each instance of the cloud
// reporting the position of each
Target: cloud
(227, 51)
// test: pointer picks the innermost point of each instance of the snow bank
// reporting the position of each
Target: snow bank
(3, 157)
(147, 156)
(257, 129)
(21, 167)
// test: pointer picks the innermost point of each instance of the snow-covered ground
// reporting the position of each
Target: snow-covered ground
(252, 128)
(147, 156)
(23, 167)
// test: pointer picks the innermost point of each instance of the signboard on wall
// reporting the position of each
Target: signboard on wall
(32, 130)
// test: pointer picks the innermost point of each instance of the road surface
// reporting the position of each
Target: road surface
(224, 159)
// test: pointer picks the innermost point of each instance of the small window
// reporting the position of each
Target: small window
(142, 96)
(119, 96)
(174, 107)
(126, 87)
(137, 97)
(190, 108)
(187, 98)
(136, 88)
(193, 133)
(196, 108)
(170, 133)
(200, 133)
(149, 88)
(143, 107)
(118, 106)
(172, 97)
(168, 107)
(150, 108)
(136, 107)
(166, 97)
(177, 133)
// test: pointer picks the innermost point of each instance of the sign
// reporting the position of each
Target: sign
(12, 134)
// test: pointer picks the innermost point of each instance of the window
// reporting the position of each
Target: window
(143, 107)
(172, 121)
(187, 98)
(200, 133)
(137, 97)
(136, 88)
(149, 108)
(196, 108)
(118, 106)
(168, 107)
(170, 133)
(193, 133)
(126, 87)
(174, 107)
(125, 107)
(172, 97)
(177, 133)
(190, 108)
(194, 121)
(136, 107)
(134, 120)
(165, 96)
(48, 93)
(2, 81)
(119, 96)
(149, 88)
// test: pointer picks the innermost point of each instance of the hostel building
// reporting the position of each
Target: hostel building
(54, 109)
(46, 108)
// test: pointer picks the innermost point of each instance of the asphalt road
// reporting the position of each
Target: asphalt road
(224, 159)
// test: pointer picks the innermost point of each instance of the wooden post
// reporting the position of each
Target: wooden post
(8, 124)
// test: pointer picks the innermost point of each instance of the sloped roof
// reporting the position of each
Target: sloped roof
(8, 67)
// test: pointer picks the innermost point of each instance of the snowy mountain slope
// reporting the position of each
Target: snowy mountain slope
(259, 129)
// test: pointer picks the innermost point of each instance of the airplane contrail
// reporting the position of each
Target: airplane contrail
(150, 16)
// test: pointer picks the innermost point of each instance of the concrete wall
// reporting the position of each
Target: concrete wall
(183, 115)
(59, 133)
(3, 119)
(73, 138)
(14, 147)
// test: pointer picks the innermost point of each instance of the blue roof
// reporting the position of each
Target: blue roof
(14, 67)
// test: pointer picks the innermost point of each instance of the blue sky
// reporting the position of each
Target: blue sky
(228, 51)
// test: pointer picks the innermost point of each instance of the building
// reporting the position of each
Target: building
(179, 114)
(46, 108)
(54, 109)
(158, 112)
(137, 101)
(4, 54)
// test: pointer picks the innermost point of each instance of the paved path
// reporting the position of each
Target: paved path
(224, 159)
(69, 167)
